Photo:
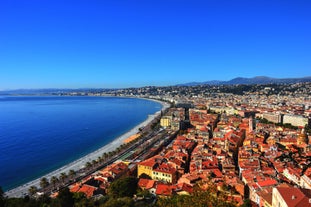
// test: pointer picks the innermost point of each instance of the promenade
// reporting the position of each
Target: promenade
(76, 165)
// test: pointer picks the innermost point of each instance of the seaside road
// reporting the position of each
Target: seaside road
(21, 191)
(77, 165)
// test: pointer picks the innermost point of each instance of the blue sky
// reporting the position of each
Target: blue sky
(133, 43)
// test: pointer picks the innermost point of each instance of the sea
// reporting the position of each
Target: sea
(39, 134)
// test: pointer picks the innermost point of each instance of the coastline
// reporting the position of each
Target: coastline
(22, 190)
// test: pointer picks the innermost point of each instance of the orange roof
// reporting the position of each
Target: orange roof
(184, 187)
(217, 173)
(146, 183)
(100, 179)
(150, 162)
(87, 190)
(165, 168)
(164, 189)
(131, 138)
(266, 183)
(75, 188)
(294, 197)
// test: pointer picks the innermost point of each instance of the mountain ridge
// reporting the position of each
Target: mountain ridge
(236, 81)
(251, 81)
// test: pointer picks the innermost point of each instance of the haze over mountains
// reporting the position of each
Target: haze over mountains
(250, 81)
(235, 81)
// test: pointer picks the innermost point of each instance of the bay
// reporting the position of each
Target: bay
(39, 134)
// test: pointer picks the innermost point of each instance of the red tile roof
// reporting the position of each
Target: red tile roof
(164, 189)
(146, 183)
(86, 189)
(295, 197)
(165, 168)
(266, 183)
(184, 187)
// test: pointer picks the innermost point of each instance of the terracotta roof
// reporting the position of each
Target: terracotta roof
(146, 183)
(151, 161)
(86, 189)
(294, 197)
(75, 188)
(164, 189)
(184, 187)
(266, 183)
(217, 173)
(266, 195)
(165, 168)
(100, 179)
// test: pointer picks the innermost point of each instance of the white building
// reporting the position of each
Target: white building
(295, 120)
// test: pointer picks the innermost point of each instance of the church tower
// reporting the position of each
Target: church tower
(250, 124)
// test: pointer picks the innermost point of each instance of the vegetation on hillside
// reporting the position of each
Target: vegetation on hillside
(122, 193)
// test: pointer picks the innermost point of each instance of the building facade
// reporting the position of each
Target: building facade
(295, 120)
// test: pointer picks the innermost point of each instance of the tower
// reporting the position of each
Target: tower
(250, 124)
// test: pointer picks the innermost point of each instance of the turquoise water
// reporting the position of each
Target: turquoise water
(41, 134)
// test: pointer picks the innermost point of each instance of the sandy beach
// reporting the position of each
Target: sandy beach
(80, 163)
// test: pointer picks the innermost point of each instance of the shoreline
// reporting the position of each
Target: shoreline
(22, 190)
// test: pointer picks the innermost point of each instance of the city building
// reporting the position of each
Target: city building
(295, 120)
(291, 197)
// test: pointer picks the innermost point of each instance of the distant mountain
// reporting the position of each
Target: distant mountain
(49, 91)
(251, 81)
(213, 82)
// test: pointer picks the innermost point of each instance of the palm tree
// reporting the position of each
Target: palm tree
(71, 174)
(63, 177)
(44, 182)
(94, 162)
(99, 159)
(88, 165)
(105, 155)
(32, 190)
(54, 180)
(113, 153)
(118, 150)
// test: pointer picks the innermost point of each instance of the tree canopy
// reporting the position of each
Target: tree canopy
(123, 187)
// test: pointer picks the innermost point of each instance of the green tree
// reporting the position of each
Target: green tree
(43, 201)
(44, 182)
(17, 202)
(81, 200)
(54, 180)
(63, 177)
(123, 187)
(32, 190)
(199, 198)
(94, 162)
(105, 155)
(88, 165)
(143, 193)
(72, 174)
(99, 159)
(120, 202)
(65, 198)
